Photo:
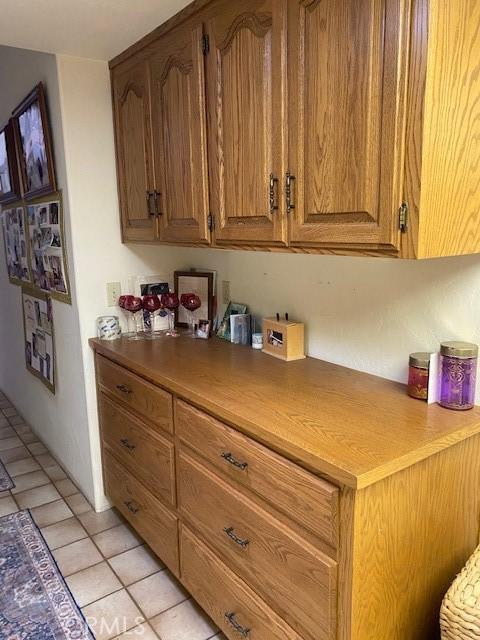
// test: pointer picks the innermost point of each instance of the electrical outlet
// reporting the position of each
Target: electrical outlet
(225, 291)
(114, 291)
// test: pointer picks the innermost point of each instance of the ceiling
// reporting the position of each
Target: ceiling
(97, 29)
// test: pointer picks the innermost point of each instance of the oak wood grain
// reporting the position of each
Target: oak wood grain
(142, 450)
(415, 124)
(149, 401)
(153, 521)
(219, 591)
(295, 579)
(310, 501)
(133, 148)
(179, 134)
(351, 426)
(413, 533)
(246, 119)
(346, 84)
(450, 191)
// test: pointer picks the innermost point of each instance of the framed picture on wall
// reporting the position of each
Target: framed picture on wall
(33, 141)
(9, 176)
(47, 249)
(200, 283)
(39, 339)
(16, 246)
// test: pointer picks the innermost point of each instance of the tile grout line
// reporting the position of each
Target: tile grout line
(88, 536)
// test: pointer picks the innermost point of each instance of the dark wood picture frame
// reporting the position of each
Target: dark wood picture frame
(15, 193)
(39, 295)
(208, 275)
(56, 197)
(37, 95)
(16, 250)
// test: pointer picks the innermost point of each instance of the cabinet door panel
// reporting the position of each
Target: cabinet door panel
(346, 107)
(247, 125)
(179, 135)
(131, 103)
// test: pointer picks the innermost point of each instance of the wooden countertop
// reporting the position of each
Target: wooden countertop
(351, 426)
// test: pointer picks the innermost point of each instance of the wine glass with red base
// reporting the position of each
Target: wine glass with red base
(191, 302)
(170, 302)
(133, 304)
(121, 303)
(151, 303)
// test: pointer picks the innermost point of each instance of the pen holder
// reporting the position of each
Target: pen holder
(284, 339)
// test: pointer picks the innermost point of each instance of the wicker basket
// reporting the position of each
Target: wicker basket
(460, 611)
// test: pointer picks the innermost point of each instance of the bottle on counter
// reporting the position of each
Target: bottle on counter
(458, 372)
(418, 374)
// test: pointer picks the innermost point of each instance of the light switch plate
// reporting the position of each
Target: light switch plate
(114, 291)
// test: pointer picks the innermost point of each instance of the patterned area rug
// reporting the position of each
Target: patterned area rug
(35, 603)
(6, 482)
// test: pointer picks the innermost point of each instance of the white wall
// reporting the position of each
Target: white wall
(60, 420)
(365, 313)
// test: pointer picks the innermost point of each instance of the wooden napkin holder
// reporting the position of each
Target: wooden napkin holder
(284, 339)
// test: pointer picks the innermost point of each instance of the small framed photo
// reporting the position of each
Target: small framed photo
(39, 338)
(9, 177)
(203, 329)
(33, 142)
(201, 283)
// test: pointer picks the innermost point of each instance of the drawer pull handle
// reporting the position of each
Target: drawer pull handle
(131, 506)
(123, 388)
(127, 444)
(229, 458)
(233, 536)
(230, 618)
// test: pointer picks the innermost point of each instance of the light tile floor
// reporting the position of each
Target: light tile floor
(121, 586)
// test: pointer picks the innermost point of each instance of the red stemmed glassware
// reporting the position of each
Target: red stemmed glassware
(133, 304)
(121, 303)
(191, 302)
(151, 303)
(170, 301)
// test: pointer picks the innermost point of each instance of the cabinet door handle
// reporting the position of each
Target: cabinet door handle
(131, 506)
(123, 388)
(229, 458)
(151, 203)
(271, 193)
(127, 444)
(230, 618)
(288, 191)
(233, 536)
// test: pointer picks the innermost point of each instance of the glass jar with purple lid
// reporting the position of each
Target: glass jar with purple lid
(458, 372)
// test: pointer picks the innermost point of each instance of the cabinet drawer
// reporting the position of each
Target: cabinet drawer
(143, 398)
(154, 522)
(295, 579)
(148, 455)
(308, 500)
(226, 598)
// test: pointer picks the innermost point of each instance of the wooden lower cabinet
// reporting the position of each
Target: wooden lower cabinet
(237, 609)
(289, 573)
(307, 499)
(235, 520)
(143, 451)
(157, 525)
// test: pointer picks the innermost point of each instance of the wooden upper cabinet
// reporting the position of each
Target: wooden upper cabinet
(179, 134)
(246, 117)
(131, 105)
(346, 76)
